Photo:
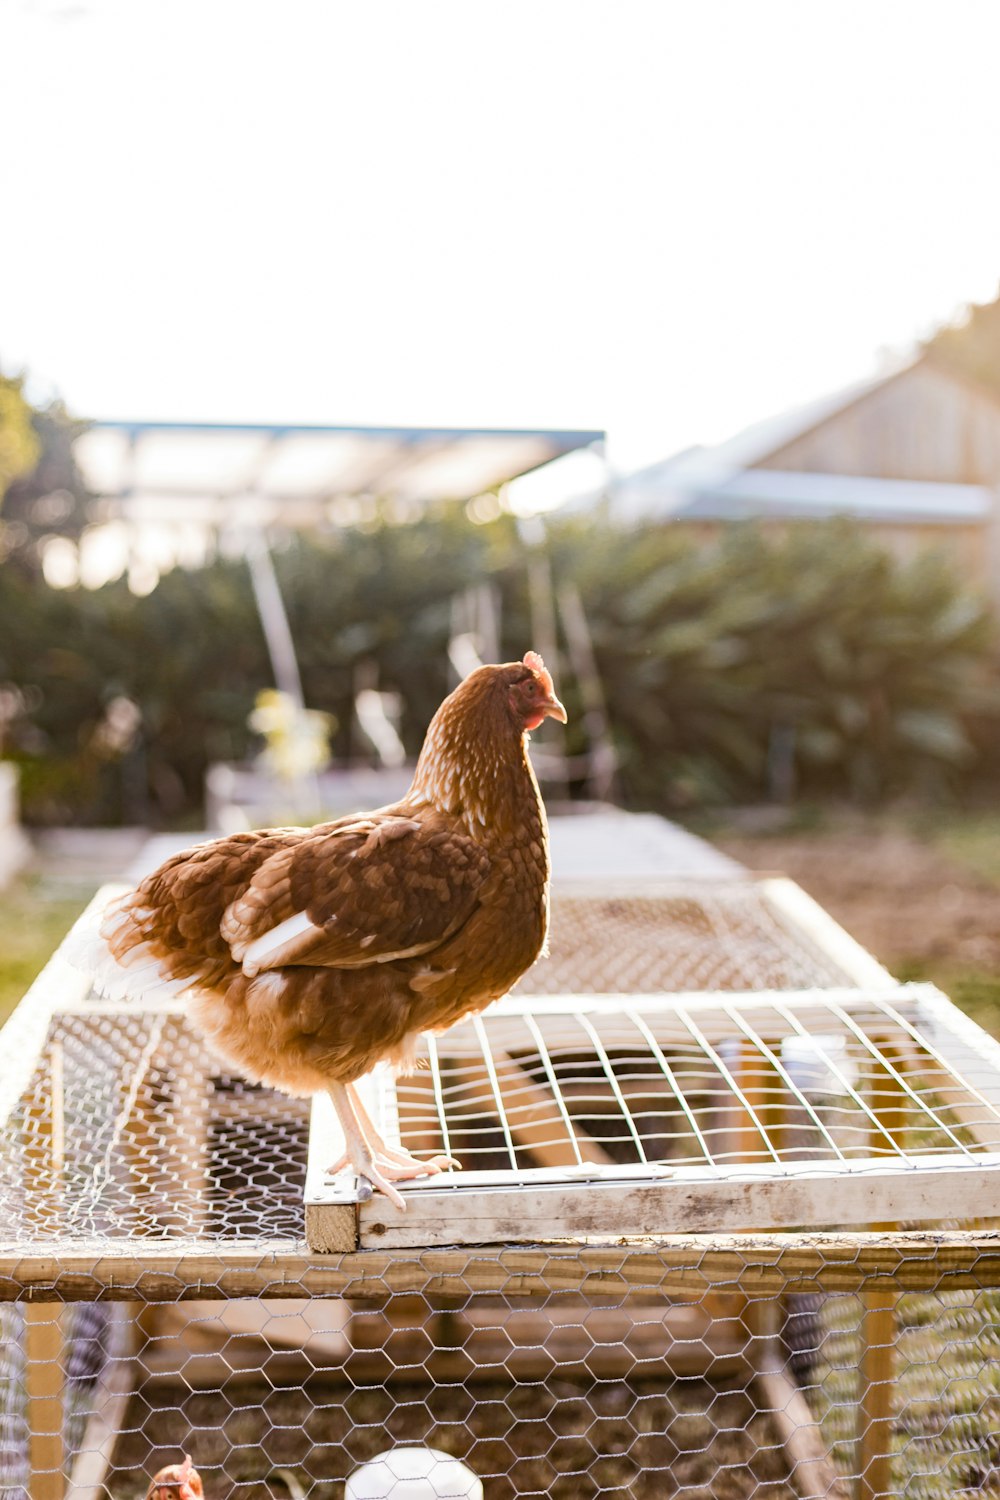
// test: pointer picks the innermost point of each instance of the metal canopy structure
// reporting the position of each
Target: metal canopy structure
(201, 469)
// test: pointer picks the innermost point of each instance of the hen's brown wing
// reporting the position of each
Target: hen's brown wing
(167, 929)
(385, 886)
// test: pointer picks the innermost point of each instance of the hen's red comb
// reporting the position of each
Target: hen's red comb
(538, 668)
(534, 661)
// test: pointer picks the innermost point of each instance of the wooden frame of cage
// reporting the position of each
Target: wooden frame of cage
(887, 1183)
(586, 1204)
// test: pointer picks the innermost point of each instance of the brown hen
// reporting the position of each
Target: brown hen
(176, 1482)
(310, 955)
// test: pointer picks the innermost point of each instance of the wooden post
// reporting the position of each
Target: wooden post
(878, 1323)
(761, 1085)
(43, 1379)
(764, 1091)
(44, 1159)
(875, 1409)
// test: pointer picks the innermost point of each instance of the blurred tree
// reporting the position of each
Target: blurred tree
(19, 445)
(48, 499)
(739, 668)
(972, 345)
(814, 646)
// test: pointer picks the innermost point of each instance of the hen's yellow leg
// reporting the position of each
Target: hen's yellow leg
(359, 1153)
(390, 1158)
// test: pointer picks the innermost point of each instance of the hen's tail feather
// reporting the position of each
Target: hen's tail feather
(113, 947)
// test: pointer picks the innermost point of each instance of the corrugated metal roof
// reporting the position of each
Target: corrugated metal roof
(200, 466)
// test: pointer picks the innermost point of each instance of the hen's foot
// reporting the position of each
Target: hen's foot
(377, 1165)
(388, 1157)
(371, 1180)
(381, 1173)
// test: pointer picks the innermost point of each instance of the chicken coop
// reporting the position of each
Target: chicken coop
(723, 1227)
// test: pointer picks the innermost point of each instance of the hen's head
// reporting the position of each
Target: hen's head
(516, 696)
(531, 695)
(176, 1482)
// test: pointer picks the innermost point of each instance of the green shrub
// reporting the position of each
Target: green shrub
(731, 668)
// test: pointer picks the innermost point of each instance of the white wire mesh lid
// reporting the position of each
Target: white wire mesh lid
(414, 1473)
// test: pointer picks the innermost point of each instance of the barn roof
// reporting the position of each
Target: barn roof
(734, 480)
(783, 494)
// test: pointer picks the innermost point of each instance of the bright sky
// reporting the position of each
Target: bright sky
(667, 219)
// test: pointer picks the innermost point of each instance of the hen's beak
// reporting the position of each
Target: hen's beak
(552, 709)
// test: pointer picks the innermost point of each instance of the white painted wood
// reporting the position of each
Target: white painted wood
(966, 1055)
(450, 1210)
(696, 1000)
(595, 849)
(816, 924)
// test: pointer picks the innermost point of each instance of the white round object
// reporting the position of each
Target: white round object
(413, 1474)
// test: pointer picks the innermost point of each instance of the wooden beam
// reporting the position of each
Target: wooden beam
(485, 1208)
(331, 1213)
(877, 1372)
(876, 1406)
(532, 1113)
(682, 1266)
(485, 1337)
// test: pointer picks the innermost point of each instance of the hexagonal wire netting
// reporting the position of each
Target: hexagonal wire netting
(161, 1299)
(700, 1373)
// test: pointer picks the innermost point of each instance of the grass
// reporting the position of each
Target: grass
(35, 914)
(969, 840)
(947, 1397)
(975, 991)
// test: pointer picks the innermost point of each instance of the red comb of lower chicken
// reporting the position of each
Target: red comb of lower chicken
(176, 1482)
(310, 955)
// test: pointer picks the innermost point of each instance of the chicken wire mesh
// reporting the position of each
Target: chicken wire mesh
(643, 1390)
(127, 1127)
(679, 935)
(162, 1200)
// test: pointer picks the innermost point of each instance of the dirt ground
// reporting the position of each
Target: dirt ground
(907, 902)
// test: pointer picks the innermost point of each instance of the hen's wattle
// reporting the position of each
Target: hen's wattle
(310, 955)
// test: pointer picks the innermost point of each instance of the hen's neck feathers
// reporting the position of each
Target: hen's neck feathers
(474, 764)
